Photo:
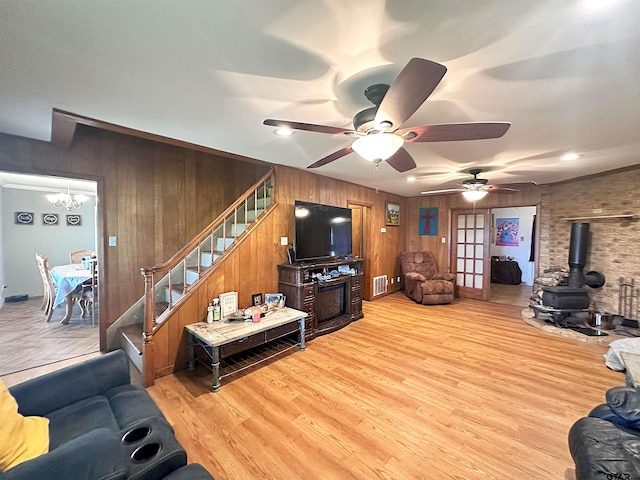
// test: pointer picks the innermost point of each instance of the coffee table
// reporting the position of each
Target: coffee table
(226, 338)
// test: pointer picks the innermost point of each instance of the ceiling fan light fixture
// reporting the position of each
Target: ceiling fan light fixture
(283, 131)
(377, 146)
(474, 195)
(569, 157)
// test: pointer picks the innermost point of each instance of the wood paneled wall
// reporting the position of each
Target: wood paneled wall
(528, 195)
(252, 266)
(153, 197)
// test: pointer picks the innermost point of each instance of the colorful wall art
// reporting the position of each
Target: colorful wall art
(428, 221)
(507, 232)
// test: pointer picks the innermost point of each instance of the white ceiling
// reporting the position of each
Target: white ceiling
(44, 183)
(561, 71)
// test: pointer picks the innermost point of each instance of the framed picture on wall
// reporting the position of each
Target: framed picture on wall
(428, 221)
(23, 218)
(392, 214)
(74, 220)
(49, 219)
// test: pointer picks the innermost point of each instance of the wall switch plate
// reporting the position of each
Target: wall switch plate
(391, 280)
(383, 230)
(113, 241)
(284, 240)
(444, 240)
(398, 279)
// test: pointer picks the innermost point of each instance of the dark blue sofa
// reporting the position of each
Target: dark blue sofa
(100, 427)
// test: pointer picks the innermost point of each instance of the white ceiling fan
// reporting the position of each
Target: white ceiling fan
(474, 189)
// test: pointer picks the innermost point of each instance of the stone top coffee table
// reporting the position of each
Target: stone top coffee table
(225, 338)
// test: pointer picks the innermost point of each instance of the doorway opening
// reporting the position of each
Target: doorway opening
(512, 249)
(54, 233)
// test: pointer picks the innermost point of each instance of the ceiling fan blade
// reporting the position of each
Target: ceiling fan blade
(330, 158)
(413, 85)
(401, 161)
(311, 127)
(438, 192)
(451, 132)
(499, 189)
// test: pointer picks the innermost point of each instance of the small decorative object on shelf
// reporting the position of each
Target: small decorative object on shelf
(255, 311)
(228, 303)
(274, 300)
(216, 310)
(256, 299)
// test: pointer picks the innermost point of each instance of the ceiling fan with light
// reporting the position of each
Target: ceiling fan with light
(377, 131)
(474, 189)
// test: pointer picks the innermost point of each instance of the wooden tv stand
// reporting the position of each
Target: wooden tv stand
(331, 303)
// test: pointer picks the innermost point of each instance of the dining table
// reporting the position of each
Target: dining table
(67, 279)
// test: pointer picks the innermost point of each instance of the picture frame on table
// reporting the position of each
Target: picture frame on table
(274, 300)
(256, 299)
(392, 214)
(228, 303)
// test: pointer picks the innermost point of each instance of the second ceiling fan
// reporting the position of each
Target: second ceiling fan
(377, 131)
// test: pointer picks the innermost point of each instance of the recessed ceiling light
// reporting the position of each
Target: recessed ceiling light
(411, 179)
(570, 156)
(283, 131)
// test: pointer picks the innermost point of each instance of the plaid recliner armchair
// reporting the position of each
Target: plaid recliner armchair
(422, 281)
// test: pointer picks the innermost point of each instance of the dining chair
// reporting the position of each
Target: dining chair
(89, 293)
(78, 255)
(49, 286)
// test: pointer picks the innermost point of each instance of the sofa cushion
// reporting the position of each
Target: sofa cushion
(116, 410)
(79, 418)
(130, 404)
(21, 438)
(625, 403)
(600, 450)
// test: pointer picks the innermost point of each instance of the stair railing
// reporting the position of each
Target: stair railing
(212, 243)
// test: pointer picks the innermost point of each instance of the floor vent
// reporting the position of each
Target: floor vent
(379, 285)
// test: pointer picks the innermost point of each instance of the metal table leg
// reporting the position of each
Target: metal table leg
(302, 346)
(215, 369)
(192, 356)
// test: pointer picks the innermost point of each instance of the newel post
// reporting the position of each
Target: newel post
(147, 330)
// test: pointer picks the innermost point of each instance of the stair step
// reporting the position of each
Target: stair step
(133, 335)
(207, 258)
(131, 342)
(160, 307)
(222, 243)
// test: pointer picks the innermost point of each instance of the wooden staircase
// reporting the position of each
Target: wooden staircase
(168, 284)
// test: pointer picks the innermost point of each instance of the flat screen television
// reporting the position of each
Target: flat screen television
(322, 231)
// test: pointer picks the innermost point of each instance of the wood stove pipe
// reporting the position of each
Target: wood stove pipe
(578, 259)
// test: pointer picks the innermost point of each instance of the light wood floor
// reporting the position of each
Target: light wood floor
(27, 341)
(464, 391)
(517, 295)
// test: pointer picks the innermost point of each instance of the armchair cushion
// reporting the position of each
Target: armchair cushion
(415, 276)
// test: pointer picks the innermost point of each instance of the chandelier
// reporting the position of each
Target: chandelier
(66, 200)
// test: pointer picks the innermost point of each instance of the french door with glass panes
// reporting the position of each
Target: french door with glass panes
(471, 252)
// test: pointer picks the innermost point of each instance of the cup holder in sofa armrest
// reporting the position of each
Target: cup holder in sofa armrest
(135, 435)
(152, 449)
(145, 452)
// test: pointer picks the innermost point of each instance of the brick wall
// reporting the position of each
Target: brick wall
(614, 246)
